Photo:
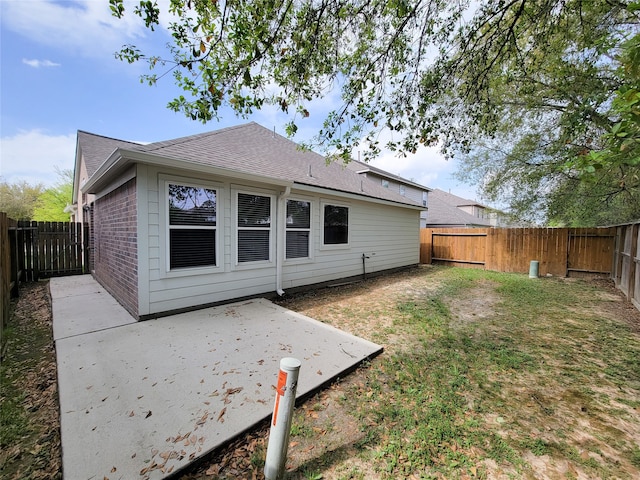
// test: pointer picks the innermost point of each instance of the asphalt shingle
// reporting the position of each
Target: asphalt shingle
(252, 149)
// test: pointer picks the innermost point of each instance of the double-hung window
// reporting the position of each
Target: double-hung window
(253, 227)
(298, 229)
(336, 225)
(193, 225)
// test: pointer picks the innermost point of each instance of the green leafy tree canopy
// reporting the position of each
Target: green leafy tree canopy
(534, 96)
(18, 200)
(53, 202)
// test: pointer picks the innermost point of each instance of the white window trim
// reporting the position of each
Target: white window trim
(310, 229)
(339, 246)
(165, 260)
(272, 229)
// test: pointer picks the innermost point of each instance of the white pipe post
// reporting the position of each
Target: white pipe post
(281, 419)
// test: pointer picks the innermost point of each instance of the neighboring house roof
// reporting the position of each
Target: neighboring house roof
(443, 210)
(361, 167)
(249, 149)
(455, 200)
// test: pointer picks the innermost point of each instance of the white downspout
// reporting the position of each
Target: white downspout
(280, 232)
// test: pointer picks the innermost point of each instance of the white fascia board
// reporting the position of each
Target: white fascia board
(121, 158)
(354, 196)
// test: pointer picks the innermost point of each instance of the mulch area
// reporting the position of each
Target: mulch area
(29, 376)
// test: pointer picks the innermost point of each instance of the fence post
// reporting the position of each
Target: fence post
(13, 241)
(86, 268)
(281, 420)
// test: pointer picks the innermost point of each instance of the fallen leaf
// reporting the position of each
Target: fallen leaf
(319, 372)
(113, 470)
(131, 414)
(148, 414)
(203, 419)
(222, 412)
(212, 470)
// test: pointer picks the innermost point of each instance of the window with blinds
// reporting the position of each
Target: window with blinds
(336, 225)
(253, 227)
(192, 226)
(298, 229)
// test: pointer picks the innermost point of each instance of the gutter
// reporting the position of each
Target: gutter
(280, 237)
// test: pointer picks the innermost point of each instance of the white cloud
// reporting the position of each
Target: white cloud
(35, 63)
(82, 27)
(33, 156)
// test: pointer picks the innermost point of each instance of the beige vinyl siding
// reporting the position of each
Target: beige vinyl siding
(388, 235)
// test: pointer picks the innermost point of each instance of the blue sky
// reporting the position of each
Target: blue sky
(59, 75)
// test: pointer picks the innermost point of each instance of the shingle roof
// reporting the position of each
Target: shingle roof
(452, 199)
(253, 149)
(97, 148)
(443, 210)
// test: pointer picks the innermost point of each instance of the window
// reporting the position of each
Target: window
(336, 225)
(254, 228)
(298, 229)
(385, 183)
(192, 226)
(403, 190)
(424, 199)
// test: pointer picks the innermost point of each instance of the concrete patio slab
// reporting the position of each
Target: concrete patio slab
(144, 399)
(81, 305)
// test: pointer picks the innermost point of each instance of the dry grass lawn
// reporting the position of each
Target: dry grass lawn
(484, 375)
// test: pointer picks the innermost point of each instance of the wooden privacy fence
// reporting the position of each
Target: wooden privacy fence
(610, 251)
(626, 265)
(559, 251)
(33, 250)
(50, 249)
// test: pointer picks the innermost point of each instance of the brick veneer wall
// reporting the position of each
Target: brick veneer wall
(115, 245)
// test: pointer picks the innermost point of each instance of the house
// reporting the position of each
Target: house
(448, 211)
(406, 188)
(233, 213)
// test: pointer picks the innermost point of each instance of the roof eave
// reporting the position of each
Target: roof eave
(122, 158)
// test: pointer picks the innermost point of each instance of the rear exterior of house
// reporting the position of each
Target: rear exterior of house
(236, 213)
